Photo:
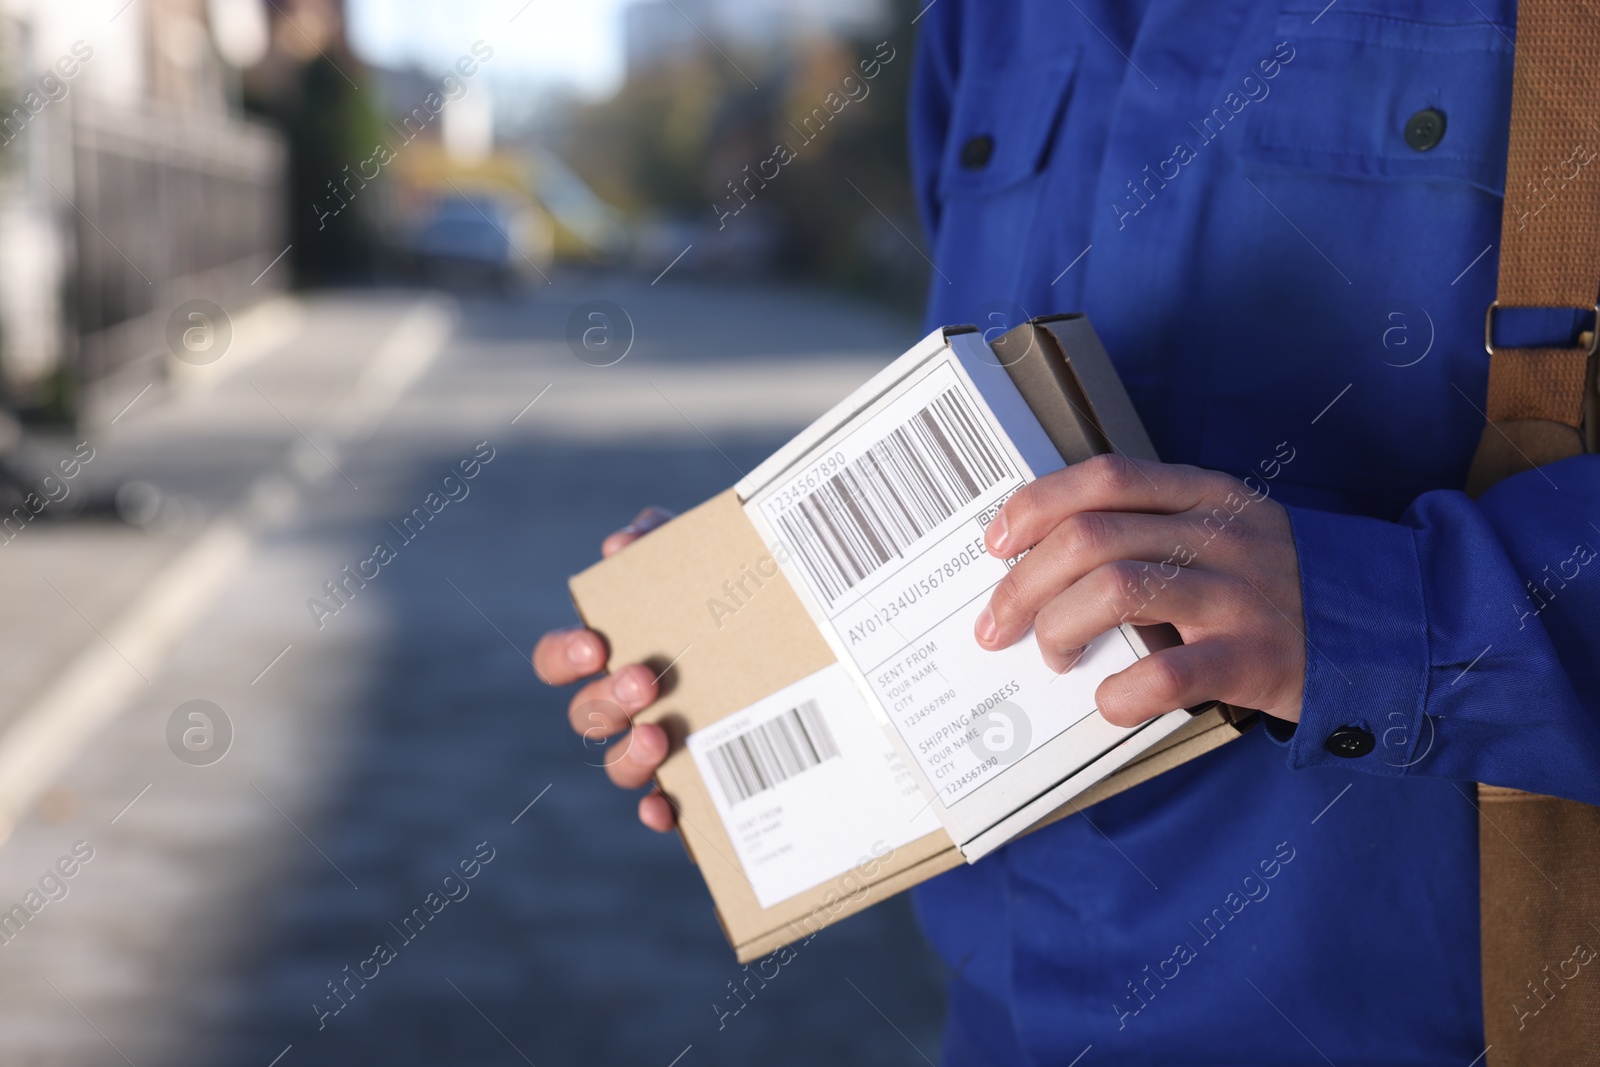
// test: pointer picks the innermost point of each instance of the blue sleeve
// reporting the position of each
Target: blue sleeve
(1465, 638)
(933, 80)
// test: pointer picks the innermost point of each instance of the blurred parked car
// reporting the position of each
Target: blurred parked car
(464, 242)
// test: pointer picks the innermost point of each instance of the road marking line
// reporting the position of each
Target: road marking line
(96, 686)
(267, 328)
(408, 351)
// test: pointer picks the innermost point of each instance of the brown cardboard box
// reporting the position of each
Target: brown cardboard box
(650, 602)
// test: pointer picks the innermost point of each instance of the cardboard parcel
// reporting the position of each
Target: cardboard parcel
(836, 733)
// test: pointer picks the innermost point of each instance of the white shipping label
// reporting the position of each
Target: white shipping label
(884, 528)
(807, 785)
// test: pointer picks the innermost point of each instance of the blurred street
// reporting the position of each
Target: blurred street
(370, 747)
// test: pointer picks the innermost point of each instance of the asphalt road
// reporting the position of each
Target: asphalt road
(212, 901)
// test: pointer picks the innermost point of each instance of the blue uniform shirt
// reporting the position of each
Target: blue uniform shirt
(1288, 286)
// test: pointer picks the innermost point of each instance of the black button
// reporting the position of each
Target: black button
(976, 152)
(1351, 742)
(1425, 129)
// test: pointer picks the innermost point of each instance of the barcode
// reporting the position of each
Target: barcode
(778, 749)
(901, 488)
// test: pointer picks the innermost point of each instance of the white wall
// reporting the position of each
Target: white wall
(116, 71)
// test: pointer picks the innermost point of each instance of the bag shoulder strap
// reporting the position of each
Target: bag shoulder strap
(1539, 874)
(1549, 239)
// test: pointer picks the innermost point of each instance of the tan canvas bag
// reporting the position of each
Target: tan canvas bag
(1539, 874)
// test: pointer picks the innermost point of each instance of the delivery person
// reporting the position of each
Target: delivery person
(1283, 219)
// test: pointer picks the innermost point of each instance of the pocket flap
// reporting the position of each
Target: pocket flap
(1382, 72)
(1001, 125)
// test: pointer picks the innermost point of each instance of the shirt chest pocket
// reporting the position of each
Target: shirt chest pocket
(1380, 154)
(1001, 128)
(1371, 96)
(992, 173)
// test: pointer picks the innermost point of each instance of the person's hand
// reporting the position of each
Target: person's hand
(1118, 540)
(606, 706)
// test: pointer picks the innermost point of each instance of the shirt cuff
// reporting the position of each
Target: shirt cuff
(1366, 645)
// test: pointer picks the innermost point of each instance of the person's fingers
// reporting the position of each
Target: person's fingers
(606, 705)
(1124, 592)
(656, 813)
(1173, 678)
(633, 760)
(1100, 483)
(563, 656)
(642, 523)
(1076, 547)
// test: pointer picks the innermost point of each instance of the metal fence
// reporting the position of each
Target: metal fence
(167, 206)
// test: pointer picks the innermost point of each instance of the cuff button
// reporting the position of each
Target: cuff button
(1350, 742)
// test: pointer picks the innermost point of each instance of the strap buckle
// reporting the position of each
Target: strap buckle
(1589, 339)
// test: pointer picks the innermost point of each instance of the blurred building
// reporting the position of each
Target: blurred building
(129, 182)
(659, 33)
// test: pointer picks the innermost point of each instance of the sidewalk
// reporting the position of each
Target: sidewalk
(370, 756)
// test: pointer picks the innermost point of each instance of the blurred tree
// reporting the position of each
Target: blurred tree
(677, 138)
(312, 86)
(645, 148)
